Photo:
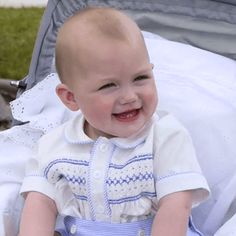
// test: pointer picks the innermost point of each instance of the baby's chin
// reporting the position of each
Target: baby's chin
(128, 133)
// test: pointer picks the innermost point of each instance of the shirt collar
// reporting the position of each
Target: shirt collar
(74, 133)
(74, 130)
(135, 139)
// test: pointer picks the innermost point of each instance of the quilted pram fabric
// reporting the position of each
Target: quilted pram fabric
(198, 86)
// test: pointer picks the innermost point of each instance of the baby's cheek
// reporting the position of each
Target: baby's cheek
(152, 99)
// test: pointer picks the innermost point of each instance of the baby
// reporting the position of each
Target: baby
(118, 167)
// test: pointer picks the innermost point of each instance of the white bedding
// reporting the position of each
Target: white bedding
(199, 87)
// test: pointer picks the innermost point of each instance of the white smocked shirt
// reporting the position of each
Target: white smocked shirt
(115, 180)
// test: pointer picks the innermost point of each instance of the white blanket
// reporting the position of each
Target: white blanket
(199, 87)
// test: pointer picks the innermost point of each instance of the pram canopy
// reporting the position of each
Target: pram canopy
(206, 24)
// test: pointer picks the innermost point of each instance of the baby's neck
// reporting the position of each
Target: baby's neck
(93, 133)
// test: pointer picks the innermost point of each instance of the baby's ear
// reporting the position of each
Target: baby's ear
(67, 97)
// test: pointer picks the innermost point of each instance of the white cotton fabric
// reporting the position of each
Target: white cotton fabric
(42, 111)
(40, 106)
(228, 229)
(196, 86)
(199, 88)
(116, 180)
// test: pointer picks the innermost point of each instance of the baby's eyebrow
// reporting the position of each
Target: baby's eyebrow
(143, 72)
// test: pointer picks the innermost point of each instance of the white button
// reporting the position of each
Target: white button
(73, 229)
(100, 209)
(97, 174)
(141, 232)
(103, 147)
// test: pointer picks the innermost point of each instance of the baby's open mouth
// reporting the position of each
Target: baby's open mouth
(127, 115)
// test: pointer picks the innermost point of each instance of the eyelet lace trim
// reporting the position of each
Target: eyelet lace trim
(41, 109)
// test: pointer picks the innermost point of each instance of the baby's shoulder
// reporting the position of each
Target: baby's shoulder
(165, 121)
(166, 127)
(53, 137)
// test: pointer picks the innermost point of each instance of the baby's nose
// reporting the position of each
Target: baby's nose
(128, 96)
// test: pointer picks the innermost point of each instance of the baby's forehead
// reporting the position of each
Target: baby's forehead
(84, 32)
(95, 23)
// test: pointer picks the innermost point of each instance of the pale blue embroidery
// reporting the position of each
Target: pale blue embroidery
(133, 178)
(132, 198)
(132, 160)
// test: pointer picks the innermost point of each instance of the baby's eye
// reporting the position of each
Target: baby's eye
(105, 86)
(141, 77)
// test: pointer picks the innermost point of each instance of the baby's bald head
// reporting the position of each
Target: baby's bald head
(89, 29)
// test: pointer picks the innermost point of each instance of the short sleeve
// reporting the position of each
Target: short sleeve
(34, 178)
(175, 164)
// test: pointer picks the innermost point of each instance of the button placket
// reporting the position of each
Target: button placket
(104, 147)
(141, 232)
(73, 229)
(98, 170)
(97, 174)
(100, 209)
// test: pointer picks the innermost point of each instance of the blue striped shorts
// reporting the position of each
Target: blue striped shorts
(79, 227)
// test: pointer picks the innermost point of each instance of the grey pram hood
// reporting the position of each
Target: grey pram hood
(209, 25)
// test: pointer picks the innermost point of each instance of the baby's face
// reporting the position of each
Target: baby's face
(116, 90)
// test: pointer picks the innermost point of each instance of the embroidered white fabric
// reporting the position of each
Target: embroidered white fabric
(40, 106)
(42, 110)
(197, 86)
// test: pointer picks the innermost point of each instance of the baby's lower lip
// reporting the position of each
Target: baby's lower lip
(127, 116)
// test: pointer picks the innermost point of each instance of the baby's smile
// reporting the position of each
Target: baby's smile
(127, 116)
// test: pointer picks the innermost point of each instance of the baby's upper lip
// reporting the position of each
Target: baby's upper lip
(126, 111)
